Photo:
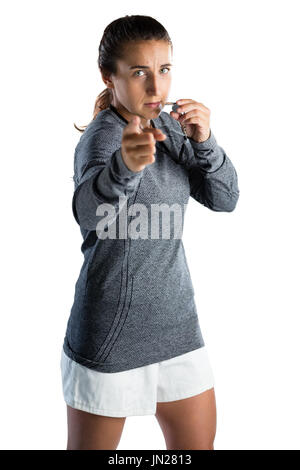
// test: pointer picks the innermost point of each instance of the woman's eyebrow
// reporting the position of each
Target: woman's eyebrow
(145, 67)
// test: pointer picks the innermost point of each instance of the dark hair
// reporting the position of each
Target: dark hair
(112, 46)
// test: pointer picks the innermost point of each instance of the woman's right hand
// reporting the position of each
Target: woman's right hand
(138, 145)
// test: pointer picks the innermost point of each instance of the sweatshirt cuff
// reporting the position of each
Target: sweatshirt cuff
(116, 179)
(122, 169)
(208, 144)
(208, 153)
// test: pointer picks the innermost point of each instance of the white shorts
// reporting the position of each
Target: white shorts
(135, 392)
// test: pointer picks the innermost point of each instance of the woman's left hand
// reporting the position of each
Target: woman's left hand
(196, 119)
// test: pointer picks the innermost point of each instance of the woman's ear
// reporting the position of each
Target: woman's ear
(106, 79)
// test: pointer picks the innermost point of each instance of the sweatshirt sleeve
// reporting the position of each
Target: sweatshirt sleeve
(212, 176)
(101, 177)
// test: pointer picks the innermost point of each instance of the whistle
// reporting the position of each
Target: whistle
(174, 108)
(174, 105)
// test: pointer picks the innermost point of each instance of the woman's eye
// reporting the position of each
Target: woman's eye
(164, 68)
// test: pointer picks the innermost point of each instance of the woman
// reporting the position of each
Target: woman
(133, 344)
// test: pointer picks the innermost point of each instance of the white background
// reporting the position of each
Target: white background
(241, 60)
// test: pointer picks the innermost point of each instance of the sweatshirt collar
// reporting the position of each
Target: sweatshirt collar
(114, 109)
(161, 144)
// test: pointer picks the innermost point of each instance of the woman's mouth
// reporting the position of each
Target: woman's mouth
(153, 105)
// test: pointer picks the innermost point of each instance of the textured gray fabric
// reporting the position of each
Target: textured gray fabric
(134, 298)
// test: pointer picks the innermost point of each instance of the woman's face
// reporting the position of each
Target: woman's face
(143, 76)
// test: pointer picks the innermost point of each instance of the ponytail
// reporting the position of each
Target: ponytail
(102, 102)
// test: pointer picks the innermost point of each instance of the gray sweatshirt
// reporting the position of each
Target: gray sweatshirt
(134, 298)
